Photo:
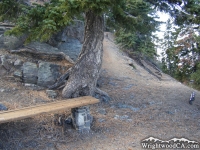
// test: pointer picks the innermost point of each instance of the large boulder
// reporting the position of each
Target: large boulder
(42, 74)
(74, 31)
(71, 47)
(9, 42)
(30, 72)
(13, 42)
(47, 74)
(5, 62)
(3, 107)
(70, 39)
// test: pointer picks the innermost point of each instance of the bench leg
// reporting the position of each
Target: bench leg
(81, 118)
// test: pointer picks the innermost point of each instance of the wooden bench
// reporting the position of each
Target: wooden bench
(13, 115)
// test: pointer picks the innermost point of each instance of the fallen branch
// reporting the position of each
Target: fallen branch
(42, 55)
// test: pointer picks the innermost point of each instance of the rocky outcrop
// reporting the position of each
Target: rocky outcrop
(3, 107)
(43, 74)
(12, 42)
(74, 31)
(41, 66)
(9, 42)
(71, 47)
(6, 63)
(40, 73)
(69, 40)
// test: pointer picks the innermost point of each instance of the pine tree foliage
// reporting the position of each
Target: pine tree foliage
(10, 9)
(39, 22)
(185, 51)
(196, 76)
(136, 34)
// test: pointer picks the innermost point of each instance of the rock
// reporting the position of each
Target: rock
(68, 121)
(5, 63)
(103, 98)
(51, 93)
(102, 111)
(123, 118)
(120, 105)
(151, 103)
(71, 47)
(3, 107)
(3, 71)
(70, 39)
(18, 74)
(112, 83)
(30, 72)
(75, 31)
(128, 87)
(47, 74)
(43, 47)
(1, 40)
(12, 42)
(101, 120)
(39, 100)
(170, 112)
(2, 90)
(116, 117)
(18, 63)
(33, 86)
(100, 82)
(43, 74)
(132, 96)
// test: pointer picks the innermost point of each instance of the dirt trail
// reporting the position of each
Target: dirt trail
(141, 106)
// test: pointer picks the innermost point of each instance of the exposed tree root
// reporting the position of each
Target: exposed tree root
(67, 58)
(61, 81)
(103, 96)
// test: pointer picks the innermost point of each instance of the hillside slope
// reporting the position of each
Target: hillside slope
(141, 106)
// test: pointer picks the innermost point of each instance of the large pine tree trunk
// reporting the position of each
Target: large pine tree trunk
(83, 76)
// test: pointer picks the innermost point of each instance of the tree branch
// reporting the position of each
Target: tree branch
(129, 15)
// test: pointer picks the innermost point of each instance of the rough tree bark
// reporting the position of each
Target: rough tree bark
(84, 74)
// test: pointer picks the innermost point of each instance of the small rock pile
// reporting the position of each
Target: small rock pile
(39, 73)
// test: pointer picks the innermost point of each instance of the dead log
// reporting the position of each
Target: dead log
(30, 52)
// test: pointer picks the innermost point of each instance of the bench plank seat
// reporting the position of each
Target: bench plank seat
(12, 115)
